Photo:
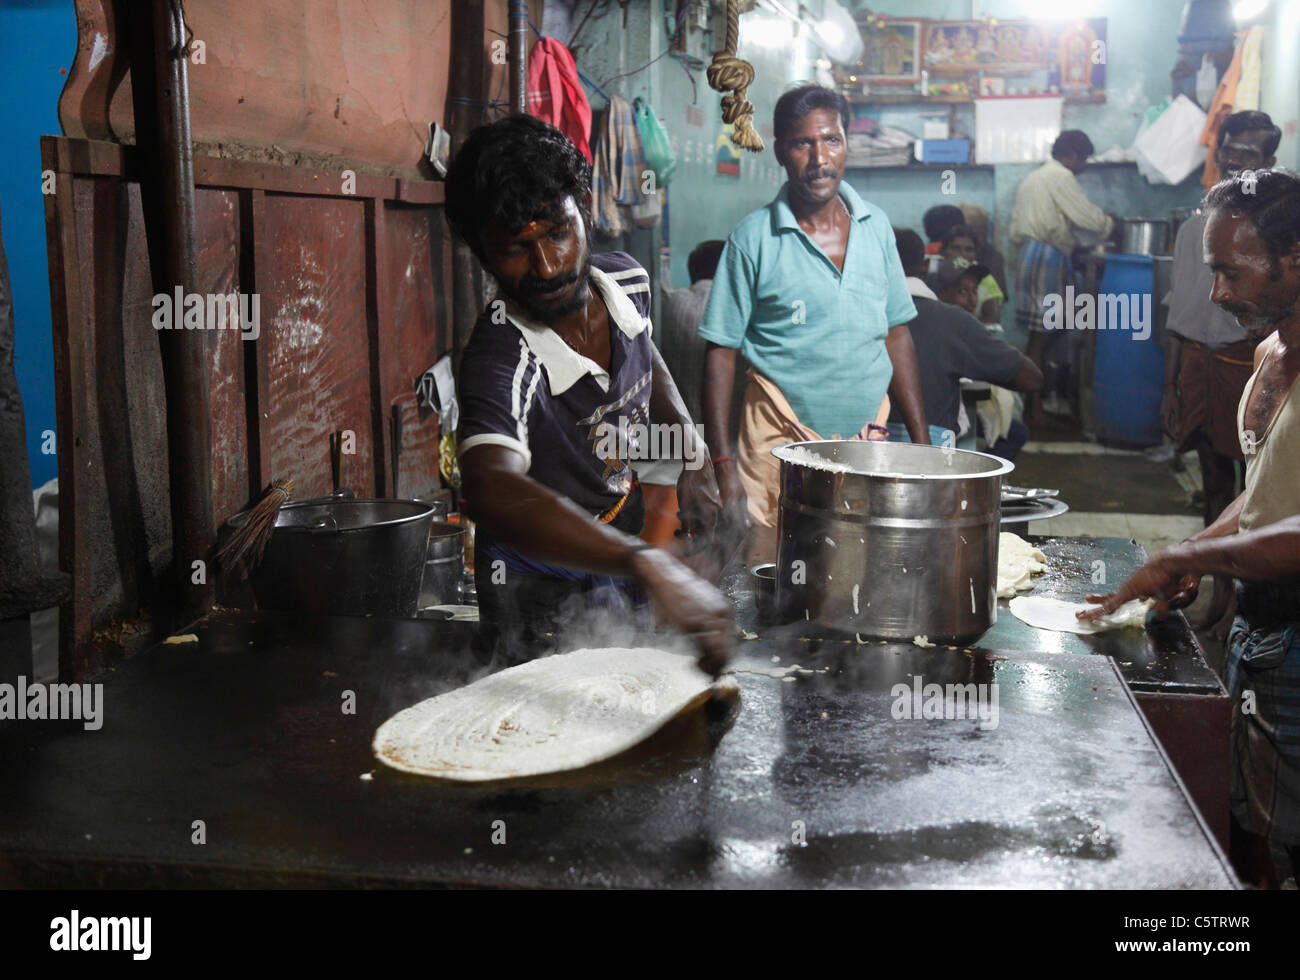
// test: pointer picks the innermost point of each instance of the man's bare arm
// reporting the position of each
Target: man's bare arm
(1261, 555)
(1224, 524)
(1028, 378)
(719, 385)
(905, 388)
(536, 520)
(504, 500)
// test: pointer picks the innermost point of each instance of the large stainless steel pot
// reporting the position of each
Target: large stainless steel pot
(1146, 236)
(344, 557)
(901, 541)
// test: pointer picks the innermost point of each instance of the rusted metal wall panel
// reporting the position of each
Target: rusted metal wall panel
(314, 313)
(350, 312)
(420, 336)
(354, 81)
(217, 214)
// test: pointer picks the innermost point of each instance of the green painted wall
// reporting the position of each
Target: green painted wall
(1141, 49)
(1279, 94)
(702, 204)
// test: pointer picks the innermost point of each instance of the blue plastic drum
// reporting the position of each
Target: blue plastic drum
(1129, 365)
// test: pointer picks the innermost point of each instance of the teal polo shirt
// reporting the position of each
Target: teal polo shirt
(817, 332)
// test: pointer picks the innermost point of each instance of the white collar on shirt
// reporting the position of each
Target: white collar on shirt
(917, 287)
(564, 365)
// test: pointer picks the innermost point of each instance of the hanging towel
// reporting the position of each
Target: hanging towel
(618, 168)
(1252, 65)
(555, 94)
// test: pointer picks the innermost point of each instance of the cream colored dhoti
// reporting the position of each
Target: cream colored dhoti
(768, 421)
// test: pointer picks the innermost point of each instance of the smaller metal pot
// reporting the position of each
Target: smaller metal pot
(763, 578)
(444, 565)
(344, 557)
(1146, 236)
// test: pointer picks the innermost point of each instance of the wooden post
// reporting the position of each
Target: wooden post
(186, 357)
(464, 91)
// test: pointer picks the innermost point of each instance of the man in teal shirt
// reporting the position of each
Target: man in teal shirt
(811, 290)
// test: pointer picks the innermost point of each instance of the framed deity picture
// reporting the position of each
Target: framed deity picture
(966, 45)
(891, 50)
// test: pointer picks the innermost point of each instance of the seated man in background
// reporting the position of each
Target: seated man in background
(956, 281)
(961, 243)
(936, 222)
(558, 369)
(1252, 245)
(951, 344)
(977, 220)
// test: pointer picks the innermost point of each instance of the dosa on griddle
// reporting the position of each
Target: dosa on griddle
(550, 715)
(1055, 614)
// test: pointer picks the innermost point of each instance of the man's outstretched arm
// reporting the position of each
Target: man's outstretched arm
(500, 496)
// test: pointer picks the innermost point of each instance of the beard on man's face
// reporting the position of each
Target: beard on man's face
(528, 292)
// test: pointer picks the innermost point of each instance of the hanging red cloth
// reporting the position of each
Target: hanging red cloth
(555, 95)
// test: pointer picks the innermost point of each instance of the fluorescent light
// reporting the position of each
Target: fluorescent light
(832, 35)
(764, 30)
(1248, 9)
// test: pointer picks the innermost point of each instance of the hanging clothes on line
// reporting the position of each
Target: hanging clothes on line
(618, 172)
(1238, 90)
(555, 94)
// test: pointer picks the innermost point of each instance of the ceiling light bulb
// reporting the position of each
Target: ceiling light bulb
(1248, 9)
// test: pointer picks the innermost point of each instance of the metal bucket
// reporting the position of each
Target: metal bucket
(444, 565)
(901, 541)
(342, 557)
(1146, 236)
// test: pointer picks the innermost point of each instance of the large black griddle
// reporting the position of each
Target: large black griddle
(244, 731)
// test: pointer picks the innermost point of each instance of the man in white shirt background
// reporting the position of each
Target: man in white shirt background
(1051, 210)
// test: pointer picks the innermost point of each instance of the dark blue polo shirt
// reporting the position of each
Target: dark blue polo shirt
(522, 387)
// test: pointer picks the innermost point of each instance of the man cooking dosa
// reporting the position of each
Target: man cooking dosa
(1252, 245)
(559, 369)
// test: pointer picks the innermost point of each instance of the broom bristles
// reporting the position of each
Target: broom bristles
(245, 547)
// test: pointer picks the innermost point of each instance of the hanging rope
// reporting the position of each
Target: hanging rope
(733, 75)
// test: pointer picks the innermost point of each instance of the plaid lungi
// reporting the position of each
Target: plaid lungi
(1042, 272)
(1264, 684)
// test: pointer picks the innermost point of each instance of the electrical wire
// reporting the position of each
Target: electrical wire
(681, 17)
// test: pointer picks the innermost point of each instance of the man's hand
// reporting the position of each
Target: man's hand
(905, 386)
(735, 507)
(689, 603)
(1154, 580)
(698, 499)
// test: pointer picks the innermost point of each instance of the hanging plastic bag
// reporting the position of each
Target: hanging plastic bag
(1207, 82)
(1150, 116)
(1171, 146)
(658, 148)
